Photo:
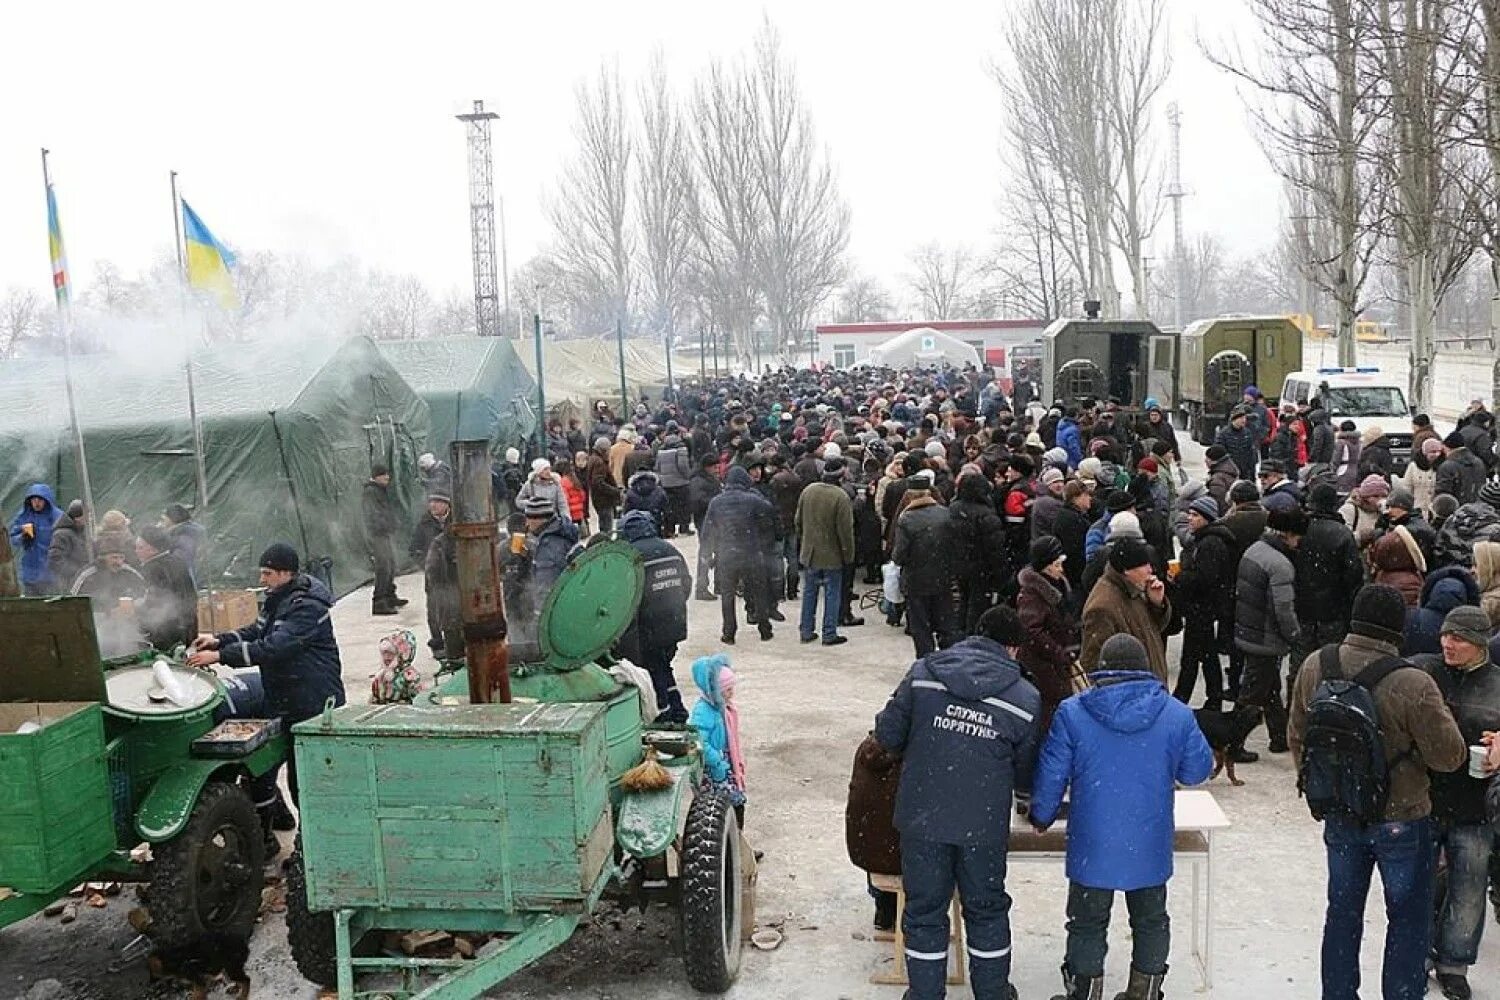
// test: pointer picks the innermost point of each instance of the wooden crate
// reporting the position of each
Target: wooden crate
(226, 610)
(470, 807)
(56, 821)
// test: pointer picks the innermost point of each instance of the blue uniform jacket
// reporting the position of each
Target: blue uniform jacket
(292, 642)
(1068, 440)
(965, 722)
(32, 552)
(1119, 747)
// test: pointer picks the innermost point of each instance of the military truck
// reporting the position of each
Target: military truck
(1221, 356)
(1129, 360)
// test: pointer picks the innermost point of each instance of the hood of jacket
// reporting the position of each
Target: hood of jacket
(974, 668)
(1449, 588)
(1126, 701)
(1487, 565)
(1226, 466)
(645, 481)
(738, 478)
(975, 489)
(1247, 523)
(39, 490)
(706, 677)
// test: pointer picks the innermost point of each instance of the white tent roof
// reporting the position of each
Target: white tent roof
(923, 346)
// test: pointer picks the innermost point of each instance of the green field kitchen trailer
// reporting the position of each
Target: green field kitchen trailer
(1129, 360)
(1220, 357)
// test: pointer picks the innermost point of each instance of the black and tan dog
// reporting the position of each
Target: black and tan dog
(1224, 731)
(198, 964)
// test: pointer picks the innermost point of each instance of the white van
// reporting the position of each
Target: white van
(1364, 396)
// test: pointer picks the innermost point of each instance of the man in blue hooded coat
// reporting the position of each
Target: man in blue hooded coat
(1120, 749)
(31, 537)
(964, 720)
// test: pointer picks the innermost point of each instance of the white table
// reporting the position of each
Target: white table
(1196, 818)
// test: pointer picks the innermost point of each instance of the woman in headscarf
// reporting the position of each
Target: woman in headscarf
(397, 681)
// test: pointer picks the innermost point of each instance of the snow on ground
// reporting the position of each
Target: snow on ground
(804, 710)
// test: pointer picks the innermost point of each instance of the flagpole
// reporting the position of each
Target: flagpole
(200, 470)
(65, 318)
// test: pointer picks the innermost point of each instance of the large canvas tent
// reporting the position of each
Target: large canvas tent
(475, 388)
(922, 347)
(289, 433)
(578, 372)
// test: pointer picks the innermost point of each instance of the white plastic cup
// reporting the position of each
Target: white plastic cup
(1479, 757)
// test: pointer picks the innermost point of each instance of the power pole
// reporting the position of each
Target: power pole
(1176, 193)
(482, 221)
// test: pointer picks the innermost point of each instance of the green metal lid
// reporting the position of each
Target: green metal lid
(591, 605)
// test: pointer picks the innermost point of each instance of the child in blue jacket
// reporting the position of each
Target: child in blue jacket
(717, 720)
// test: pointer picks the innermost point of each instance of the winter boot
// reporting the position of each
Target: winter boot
(1142, 986)
(1078, 988)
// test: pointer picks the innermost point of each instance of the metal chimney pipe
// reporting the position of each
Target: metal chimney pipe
(475, 534)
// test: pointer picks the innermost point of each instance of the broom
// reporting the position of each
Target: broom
(647, 776)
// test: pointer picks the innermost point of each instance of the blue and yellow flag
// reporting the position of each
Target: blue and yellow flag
(208, 261)
(55, 245)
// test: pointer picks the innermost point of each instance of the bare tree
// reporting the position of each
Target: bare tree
(1203, 270)
(663, 201)
(944, 279)
(453, 316)
(1313, 107)
(591, 212)
(862, 299)
(805, 222)
(20, 319)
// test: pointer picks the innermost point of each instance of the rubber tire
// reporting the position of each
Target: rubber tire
(712, 894)
(171, 896)
(310, 935)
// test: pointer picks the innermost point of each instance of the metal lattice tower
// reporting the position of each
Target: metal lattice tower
(1176, 193)
(482, 221)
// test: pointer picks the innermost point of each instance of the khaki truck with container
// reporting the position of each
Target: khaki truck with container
(1128, 360)
(1221, 357)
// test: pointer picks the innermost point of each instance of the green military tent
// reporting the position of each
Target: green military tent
(475, 387)
(289, 433)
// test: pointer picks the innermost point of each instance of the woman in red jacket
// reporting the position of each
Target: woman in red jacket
(577, 496)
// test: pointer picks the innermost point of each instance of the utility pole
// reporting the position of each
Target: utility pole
(541, 392)
(620, 347)
(1176, 193)
(482, 221)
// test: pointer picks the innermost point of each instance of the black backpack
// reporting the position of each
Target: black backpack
(1343, 770)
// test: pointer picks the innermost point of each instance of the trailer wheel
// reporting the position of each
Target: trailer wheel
(310, 935)
(711, 893)
(208, 879)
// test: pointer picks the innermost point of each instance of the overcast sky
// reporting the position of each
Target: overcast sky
(326, 128)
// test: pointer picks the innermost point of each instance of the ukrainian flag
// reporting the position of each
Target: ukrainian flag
(208, 261)
(55, 245)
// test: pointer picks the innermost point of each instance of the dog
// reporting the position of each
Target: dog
(1225, 731)
(198, 964)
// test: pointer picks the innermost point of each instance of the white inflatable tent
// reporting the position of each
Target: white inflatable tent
(924, 347)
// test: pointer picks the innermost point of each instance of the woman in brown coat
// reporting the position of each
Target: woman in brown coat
(1051, 629)
(1397, 562)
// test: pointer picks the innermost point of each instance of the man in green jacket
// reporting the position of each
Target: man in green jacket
(825, 523)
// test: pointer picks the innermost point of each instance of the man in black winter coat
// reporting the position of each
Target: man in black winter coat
(1239, 440)
(1321, 442)
(1401, 512)
(979, 547)
(1461, 474)
(381, 525)
(924, 551)
(1205, 589)
(1478, 436)
(964, 721)
(168, 614)
(661, 621)
(738, 532)
(1329, 572)
(68, 553)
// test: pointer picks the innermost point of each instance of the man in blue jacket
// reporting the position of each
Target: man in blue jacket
(292, 643)
(1119, 747)
(964, 719)
(30, 537)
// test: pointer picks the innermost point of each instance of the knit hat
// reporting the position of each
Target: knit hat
(1034, 440)
(1002, 624)
(1272, 465)
(1125, 525)
(378, 469)
(833, 469)
(113, 543)
(1371, 434)
(1045, 551)
(1432, 447)
(1022, 464)
(440, 491)
(1090, 468)
(540, 507)
(1055, 456)
(1401, 497)
(832, 450)
(1216, 453)
(75, 510)
(426, 460)
(279, 556)
(1052, 475)
(1148, 465)
(1373, 488)
(1287, 521)
(1443, 506)
(176, 513)
(1469, 624)
(1454, 440)
(1244, 491)
(1490, 494)
(1128, 553)
(538, 464)
(1323, 497)
(1207, 506)
(1379, 612)
(1119, 501)
(1123, 652)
